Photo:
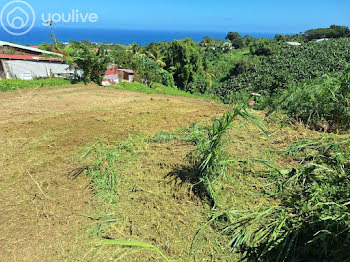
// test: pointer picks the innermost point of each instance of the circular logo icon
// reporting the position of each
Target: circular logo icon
(17, 17)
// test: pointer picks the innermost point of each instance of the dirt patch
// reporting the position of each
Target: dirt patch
(44, 214)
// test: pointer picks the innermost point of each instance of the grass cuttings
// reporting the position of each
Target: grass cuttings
(16, 84)
(152, 206)
(312, 221)
(158, 202)
(105, 171)
(138, 244)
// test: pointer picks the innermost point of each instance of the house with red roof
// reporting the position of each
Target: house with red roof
(23, 62)
(114, 75)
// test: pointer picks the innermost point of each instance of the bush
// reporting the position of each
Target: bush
(199, 84)
(151, 71)
(323, 104)
(261, 48)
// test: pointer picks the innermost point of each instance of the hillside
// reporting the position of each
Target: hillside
(47, 213)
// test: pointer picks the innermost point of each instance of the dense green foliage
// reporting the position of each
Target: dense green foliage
(262, 47)
(236, 39)
(333, 31)
(92, 63)
(184, 62)
(15, 84)
(312, 223)
(289, 64)
(322, 103)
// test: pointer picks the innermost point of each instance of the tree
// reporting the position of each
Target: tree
(157, 52)
(236, 39)
(184, 62)
(152, 71)
(335, 31)
(261, 47)
(248, 40)
(92, 63)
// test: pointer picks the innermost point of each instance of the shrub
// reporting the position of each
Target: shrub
(93, 64)
(152, 71)
(323, 103)
(261, 48)
(199, 84)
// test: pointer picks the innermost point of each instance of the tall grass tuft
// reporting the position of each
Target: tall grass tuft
(210, 161)
(103, 172)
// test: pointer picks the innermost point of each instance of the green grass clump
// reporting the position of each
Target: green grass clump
(104, 171)
(210, 161)
(157, 89)
(15, 84)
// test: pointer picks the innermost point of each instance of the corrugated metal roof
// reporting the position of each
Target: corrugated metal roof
(127, 71)
(28, 57)
(3, 43)
(293, 43)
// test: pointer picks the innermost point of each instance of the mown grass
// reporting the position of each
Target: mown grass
(236, 169)
(16, 84)
(147, 207)
(159, 89)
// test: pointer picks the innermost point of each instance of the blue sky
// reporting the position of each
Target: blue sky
(204, 15)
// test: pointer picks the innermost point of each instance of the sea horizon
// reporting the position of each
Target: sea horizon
(40, 35)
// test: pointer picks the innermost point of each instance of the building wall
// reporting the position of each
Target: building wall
(37, 69)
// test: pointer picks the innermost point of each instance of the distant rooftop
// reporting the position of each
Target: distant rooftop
(29, 57)
(293, 43)
(322, 39)
(3, 43)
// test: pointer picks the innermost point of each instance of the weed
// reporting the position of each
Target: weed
(210, 161)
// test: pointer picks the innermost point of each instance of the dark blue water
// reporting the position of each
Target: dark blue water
(142, 37)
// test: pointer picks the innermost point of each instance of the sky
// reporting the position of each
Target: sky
(274, 16)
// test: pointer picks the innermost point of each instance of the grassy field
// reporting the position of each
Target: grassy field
(16, 84)
(53, 210)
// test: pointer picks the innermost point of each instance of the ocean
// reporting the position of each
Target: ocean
(142, 37)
